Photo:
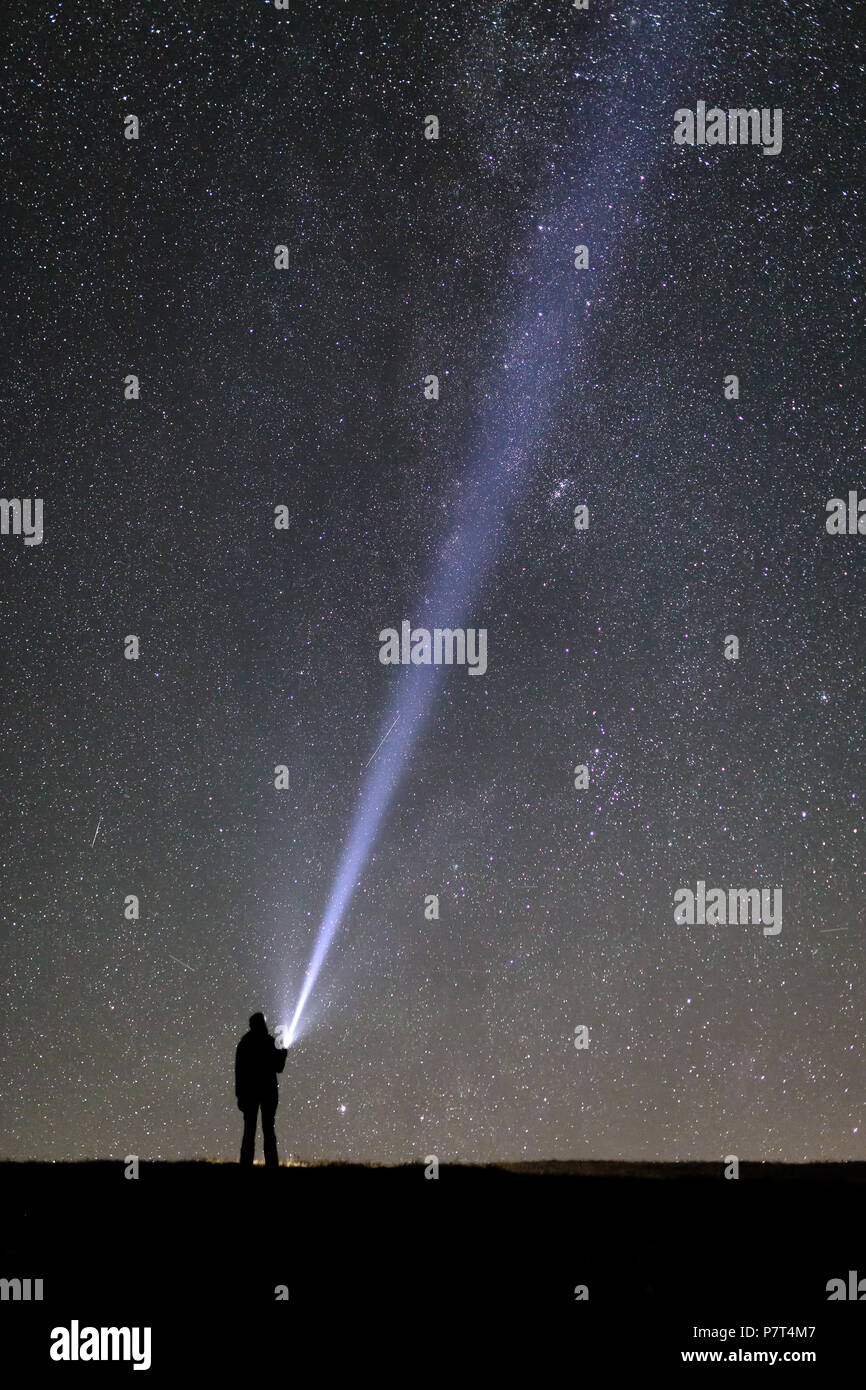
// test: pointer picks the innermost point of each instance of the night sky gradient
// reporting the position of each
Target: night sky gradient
(260, 647)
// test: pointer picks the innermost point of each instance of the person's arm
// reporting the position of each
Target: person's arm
(238, 1069)
(280, 1058)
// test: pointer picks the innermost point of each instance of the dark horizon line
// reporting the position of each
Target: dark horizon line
(709, 1167)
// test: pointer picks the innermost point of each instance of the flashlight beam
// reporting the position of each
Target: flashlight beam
(544, 317)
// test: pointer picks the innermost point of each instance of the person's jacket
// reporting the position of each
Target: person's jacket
(257, 1062)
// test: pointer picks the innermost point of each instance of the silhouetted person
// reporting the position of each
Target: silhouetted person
(257, 1061)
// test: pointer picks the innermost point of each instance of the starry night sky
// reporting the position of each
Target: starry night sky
(259, 647)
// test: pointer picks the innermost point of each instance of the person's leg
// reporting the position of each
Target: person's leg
(248, 1143)
(270, 1139)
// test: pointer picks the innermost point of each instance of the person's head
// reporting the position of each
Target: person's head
(257, 1023)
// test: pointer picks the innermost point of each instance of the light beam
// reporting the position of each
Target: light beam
(515, 404)
(523, 399)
